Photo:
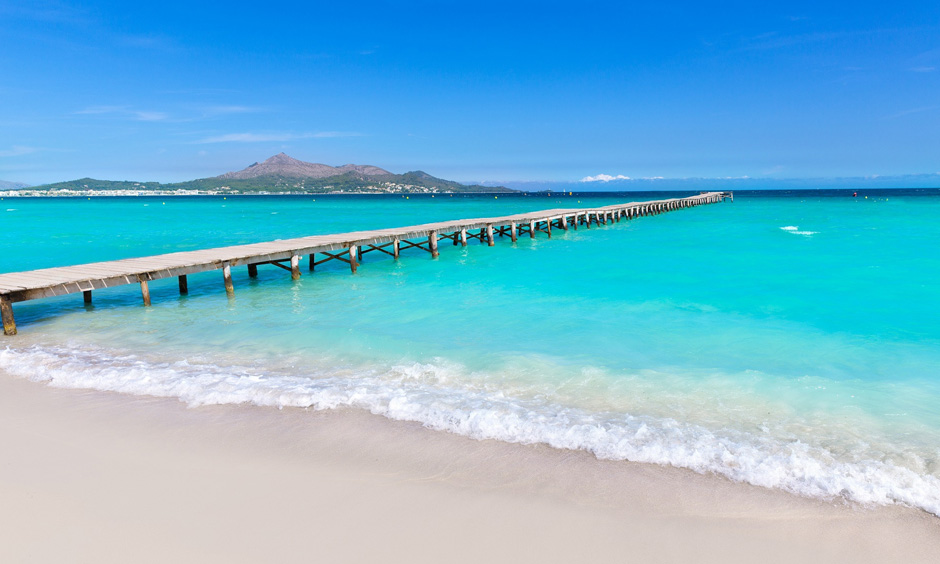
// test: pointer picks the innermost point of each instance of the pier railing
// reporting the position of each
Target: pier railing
(287, 253)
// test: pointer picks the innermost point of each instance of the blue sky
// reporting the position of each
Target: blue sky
(481, 91)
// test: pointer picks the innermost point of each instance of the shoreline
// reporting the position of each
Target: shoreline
(100, 476)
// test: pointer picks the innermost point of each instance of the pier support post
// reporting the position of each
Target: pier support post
(396, 248)
(184, 285)
(564, 222)
(353, 265)
(463, 237)
(512, 231)
(145, 292)
(532, 230)
(548, 227)
(86, 294)
(312, 262)
(227, 276)
(6, 312)
(252, 270)
(295, 267)
(432, 244)
(489, 235)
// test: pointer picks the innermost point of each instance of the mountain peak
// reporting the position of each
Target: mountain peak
(281, 158)
(285, 166)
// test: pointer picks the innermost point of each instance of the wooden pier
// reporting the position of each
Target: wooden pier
(287, 253)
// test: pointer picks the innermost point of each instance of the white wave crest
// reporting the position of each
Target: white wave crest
(796, 230)
(431, 395)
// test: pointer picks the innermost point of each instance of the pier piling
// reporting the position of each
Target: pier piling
(145, 292)
(432, 244)
(227, 277)
(6, 313)
(295, 267)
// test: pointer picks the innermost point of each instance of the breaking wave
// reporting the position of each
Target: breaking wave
(441, 396)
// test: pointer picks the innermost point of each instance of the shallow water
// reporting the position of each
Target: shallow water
(786, 340)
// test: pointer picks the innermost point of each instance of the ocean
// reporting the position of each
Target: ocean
(789, 340)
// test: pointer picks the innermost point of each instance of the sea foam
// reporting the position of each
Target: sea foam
(439, 397)
(796, 230)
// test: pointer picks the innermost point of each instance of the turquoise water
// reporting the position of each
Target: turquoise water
(788, 341)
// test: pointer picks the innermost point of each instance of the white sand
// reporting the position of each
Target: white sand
(98, 477)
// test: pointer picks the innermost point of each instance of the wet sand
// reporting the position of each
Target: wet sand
(90, 476)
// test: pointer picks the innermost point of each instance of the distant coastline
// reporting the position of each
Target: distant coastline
(66, 193)
(280, 174)
(822, 192)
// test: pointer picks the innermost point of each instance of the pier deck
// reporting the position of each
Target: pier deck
(286, 253)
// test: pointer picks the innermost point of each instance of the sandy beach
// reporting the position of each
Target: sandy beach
(100, 477)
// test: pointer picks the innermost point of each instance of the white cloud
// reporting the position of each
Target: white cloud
(604, 178)
(336, 134)
(222, 110)
(248, 138)
(18, 150)
(911, 111)
(151, 116)
(267, 137)
(102, 110)
(139, 115)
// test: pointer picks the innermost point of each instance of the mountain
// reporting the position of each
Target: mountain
(7, 185)
(287, 167)
(282, 173)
